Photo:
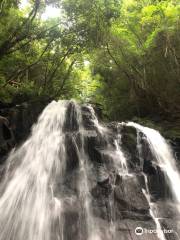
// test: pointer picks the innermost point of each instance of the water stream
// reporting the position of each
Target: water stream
(26, 202)
(84, 188)
(164, 156)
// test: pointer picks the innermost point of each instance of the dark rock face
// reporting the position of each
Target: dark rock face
(175, 143)
(15, 124)
(129, 144)
(72, 158)
(125, 193)
(7, 140)
(71, 123)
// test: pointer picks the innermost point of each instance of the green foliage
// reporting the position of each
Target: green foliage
(121, 54)
(139, 61)
(36, 56)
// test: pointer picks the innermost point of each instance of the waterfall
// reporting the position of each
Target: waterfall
(84, 188)
(75, 178)
(164, 156)
(117, 154)
(118, 161)
(29, 207)
(119, 158)
(27, 203)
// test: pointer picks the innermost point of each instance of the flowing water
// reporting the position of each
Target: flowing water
(164, 156)
(48, 186)
(146, 192)
(84, 189)
(117, 154)
(27, 203)
(161, 155)
(119, 159)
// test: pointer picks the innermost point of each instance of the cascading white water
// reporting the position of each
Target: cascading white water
(165, 159)
(101, 129)
(84, 189)
(147, 194)
(119, 158)
(27, 203)
(146, 191)
(119, 163)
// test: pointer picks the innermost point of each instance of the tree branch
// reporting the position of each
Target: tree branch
(15, 75)
(65, 78)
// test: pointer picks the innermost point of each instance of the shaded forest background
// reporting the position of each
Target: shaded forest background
(121, 55)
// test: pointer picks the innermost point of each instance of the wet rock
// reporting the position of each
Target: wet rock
(93, 146)
(88, 118)
(171, 228)
(72, 155)
(129, 145)
(127, 230)
(71, 123)
(146, 154)
(71, 221)
(158, 185)
(175, 143)
(17, 124)
(130, 199)
(21, 118)
(102, 189)
(7, 140)
(113, 126)
(167, 209)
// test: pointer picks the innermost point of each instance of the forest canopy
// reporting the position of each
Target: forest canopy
(122, 55)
